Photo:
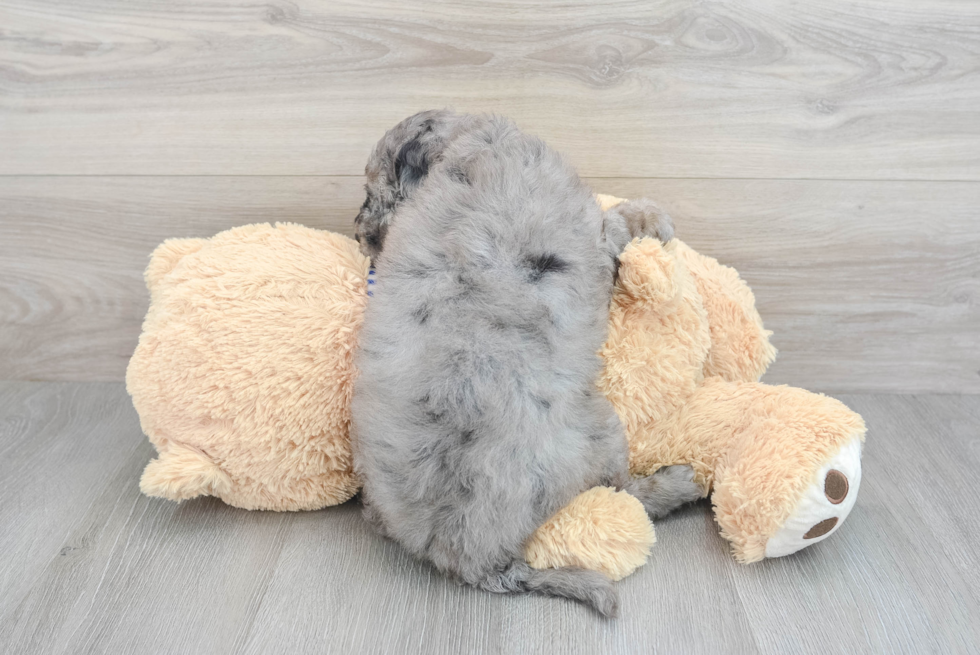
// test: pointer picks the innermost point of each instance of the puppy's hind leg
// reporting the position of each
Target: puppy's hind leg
(665, 490)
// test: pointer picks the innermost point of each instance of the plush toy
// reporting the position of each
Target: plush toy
(243, 374)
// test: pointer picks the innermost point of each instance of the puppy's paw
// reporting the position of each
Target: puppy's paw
(645, 219)
(605, 601)
(665, 490)
(679, 481)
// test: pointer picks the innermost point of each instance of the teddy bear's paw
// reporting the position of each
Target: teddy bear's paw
(601, 529)
(825, 503)
(645, 219)
(665, 490)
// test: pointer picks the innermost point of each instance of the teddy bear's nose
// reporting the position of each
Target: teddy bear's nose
(835, 486)
(820, 529)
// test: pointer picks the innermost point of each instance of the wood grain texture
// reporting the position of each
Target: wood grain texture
(876, 89)
(91, 566)
(867, 285)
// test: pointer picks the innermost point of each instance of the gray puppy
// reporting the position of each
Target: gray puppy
(475, 413)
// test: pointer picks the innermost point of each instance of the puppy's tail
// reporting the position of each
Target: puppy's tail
(589, 587)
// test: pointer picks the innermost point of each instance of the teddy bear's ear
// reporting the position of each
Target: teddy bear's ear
(165, 258)
(180, 473)
(740, 348)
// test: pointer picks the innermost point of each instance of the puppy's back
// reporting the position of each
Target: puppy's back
(474, 415)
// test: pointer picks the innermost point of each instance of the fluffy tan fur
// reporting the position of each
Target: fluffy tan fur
(242, 376)
(601, 529)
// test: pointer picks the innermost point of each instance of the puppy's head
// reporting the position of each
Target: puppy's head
(397, 166)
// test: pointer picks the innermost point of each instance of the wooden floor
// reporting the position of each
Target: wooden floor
(91, 566)
(830, 150)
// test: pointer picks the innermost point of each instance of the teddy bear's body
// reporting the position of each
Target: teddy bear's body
(243, 374)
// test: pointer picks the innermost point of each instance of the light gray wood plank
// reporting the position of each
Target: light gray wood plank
(868, 285)
(945, 429)
(673, 88)
(107, 570)
(60, 446)
(350, 602)
(92, 566)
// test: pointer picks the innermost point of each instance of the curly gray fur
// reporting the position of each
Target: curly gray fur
(396, 167)
(475, 413)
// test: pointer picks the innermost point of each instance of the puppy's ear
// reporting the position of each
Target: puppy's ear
(411, 164)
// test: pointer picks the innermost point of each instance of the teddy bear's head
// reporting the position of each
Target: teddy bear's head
(244, 370)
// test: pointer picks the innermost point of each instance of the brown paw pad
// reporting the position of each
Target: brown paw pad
(820, 529)
(835, 486)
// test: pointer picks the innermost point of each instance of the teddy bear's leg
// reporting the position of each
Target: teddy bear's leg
(789, 475)
(180, 473)
(600, 529)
